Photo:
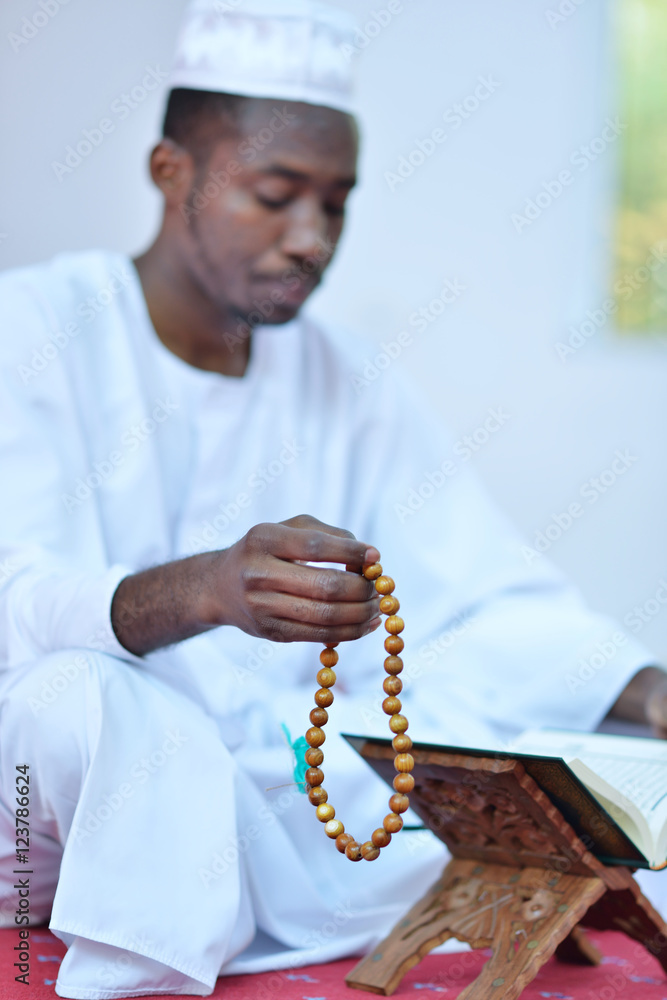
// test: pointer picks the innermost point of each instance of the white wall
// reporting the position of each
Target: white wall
(495, 346)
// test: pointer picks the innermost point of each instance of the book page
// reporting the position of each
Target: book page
(635, 767)
(622, 810)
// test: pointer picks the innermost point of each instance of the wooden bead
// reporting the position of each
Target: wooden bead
(325, 812)
(397, 723)
(353, 851)
(326, 678)
(390, 706)
(314, 757)
(394, 624)
(342, 840)
(315, 736)
(372, 571)
(404, 762)
(324, 697)
(369, 851)
(328, 657)
(392, 685)
(399, 803)
(380, 837)
(389, 605)
(393, 664)
(314, 776)
(404, 783)
(392, 823)
(319, 716)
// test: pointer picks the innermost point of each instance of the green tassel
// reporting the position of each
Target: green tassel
(298, 749)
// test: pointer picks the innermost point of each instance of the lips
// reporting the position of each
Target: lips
(290, 293)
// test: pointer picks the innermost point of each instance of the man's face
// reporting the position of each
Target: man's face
(267, 208)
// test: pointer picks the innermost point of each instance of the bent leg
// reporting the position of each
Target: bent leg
(134, 785)
(42, 711)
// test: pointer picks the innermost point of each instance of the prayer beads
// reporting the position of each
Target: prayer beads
(403, 761)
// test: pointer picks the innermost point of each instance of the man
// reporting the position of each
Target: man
(163, 423)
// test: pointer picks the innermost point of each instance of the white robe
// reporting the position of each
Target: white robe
(118, 456)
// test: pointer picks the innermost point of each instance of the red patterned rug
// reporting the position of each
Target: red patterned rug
(627, 972)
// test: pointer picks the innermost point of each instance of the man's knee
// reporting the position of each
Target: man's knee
(49, 692)
(41, 685)
(43, 712)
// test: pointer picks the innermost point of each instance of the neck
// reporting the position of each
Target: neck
(186, 320)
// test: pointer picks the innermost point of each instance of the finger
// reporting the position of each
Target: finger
(311, 545)
(309, 612)
(314, 582)
(306, 521)
(286, 630)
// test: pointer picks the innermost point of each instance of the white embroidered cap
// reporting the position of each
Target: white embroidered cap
(291, 50)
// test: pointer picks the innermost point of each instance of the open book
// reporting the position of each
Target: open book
(611, 789)
(627, 775)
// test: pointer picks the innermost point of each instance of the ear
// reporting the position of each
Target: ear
(172, 170)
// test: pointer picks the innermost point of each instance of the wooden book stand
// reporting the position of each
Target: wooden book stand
(520, 880)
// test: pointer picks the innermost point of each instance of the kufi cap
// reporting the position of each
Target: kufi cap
(290, 50)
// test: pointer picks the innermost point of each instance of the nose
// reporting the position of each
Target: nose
(306, 230)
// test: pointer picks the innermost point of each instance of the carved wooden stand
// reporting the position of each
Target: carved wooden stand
(519, 882)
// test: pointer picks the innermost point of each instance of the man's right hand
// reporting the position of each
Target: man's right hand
(260, 585)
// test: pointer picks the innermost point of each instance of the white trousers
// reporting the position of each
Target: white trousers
(160, 856)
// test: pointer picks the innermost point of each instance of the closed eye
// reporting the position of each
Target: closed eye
(274, 203)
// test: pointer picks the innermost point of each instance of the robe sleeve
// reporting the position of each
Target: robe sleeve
(55, 581)
(494, 632)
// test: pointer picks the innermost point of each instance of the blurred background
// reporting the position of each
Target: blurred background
(541, 196)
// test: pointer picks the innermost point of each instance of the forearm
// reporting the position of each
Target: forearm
(641, 696)
(163, 605)
(262, 584)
